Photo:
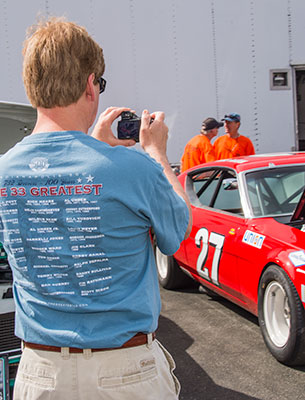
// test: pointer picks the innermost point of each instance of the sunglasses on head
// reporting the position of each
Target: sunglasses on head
(232, 117)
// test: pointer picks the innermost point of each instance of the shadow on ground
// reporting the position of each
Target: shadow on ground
(195, 382)
(195, 288)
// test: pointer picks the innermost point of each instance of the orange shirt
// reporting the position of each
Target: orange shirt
(197, 151)
(227, 147)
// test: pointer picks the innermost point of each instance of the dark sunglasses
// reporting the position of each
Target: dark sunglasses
(102, 83)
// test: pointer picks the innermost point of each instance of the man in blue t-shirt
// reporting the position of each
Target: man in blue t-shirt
(76, 213)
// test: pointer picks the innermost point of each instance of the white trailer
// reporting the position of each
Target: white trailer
(16, 121)
(192, 59)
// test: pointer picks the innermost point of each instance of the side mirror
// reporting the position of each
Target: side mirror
(230, 184)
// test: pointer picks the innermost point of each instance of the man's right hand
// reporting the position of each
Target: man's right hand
(103, 132)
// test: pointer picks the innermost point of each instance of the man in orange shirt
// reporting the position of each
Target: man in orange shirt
(232, 144)
(199, 149)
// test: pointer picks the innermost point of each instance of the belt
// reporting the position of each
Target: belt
(138, 340)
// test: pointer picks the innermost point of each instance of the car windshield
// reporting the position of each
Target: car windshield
(276, 191)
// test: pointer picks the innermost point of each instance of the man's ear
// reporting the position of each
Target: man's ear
(90, 88)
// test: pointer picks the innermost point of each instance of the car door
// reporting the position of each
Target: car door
(212, 248)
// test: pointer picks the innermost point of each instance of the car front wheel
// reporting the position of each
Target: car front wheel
(170, 274)
(281, 317)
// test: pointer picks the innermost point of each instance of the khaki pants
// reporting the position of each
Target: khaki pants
(137, 373)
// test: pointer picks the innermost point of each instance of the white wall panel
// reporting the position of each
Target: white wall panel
(191, 59)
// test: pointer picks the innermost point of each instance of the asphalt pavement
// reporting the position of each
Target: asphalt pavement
(220, 352)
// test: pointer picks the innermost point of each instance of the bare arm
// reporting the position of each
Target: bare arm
(153, 139)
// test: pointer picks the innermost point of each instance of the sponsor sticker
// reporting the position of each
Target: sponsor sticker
(297, 258)
(253, 239)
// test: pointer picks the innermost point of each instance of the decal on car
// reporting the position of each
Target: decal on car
(297, 258)
(215, 239)
(253, 239)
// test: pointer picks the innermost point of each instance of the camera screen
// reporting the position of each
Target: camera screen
(129, 129)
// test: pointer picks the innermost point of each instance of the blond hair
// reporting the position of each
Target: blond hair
(58, 57)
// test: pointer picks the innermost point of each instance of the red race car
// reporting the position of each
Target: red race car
(248, 243)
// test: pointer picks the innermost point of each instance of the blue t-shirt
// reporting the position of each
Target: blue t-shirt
(75, 217)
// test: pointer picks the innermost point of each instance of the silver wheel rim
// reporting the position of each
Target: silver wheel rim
(277, 313)
(162, 263)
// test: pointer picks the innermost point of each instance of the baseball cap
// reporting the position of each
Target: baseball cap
(211, 123)
(233, 117)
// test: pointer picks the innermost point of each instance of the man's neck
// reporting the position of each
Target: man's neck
(209, 135)
(234, 135)
(57, 119)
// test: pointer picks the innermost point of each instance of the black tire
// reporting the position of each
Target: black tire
(281, 317)
(169, 273)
